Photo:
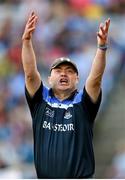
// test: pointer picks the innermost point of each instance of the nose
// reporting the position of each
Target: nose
(63, 73)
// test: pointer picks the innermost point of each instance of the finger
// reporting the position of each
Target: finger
(29, 25)
(108, 21)
(28, 33)
(32, 18)
(102, 37)
(107, 24)
(32, 23)
(99, 35)
(30, 30)
(102, 29)
(32, 14)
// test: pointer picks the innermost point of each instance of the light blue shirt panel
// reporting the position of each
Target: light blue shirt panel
(46, 96)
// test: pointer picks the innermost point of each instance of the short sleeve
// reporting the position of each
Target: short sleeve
(36, 98)
(91, 107)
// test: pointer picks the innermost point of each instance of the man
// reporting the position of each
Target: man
(63, 118)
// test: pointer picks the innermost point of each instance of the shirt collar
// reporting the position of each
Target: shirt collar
(69, 98)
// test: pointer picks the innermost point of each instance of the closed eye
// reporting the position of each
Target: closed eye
(58, 70)
(70, 70)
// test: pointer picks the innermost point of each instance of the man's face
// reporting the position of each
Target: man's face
(63, 78)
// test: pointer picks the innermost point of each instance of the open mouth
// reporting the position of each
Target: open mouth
(63, 81)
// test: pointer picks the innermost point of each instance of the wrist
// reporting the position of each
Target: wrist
(26, 37)
(26, 40)
(103, 47)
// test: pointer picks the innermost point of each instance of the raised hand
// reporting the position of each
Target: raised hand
(30, 26)
(102, 34)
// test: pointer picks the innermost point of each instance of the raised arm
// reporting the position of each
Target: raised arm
(93, 82)
(32, 76)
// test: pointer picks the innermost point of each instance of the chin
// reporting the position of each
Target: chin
(64, 88)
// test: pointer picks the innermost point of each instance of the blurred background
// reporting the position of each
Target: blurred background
(64, 28)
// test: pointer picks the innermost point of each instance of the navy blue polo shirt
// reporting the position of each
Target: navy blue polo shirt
(63, 132)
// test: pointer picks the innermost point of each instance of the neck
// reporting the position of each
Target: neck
(61, 95)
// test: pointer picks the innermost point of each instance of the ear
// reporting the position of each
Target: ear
(49, 80)
(77, 80)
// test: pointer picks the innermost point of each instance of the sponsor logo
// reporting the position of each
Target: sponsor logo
(58, 127)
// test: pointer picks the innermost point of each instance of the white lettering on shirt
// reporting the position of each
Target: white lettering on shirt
(58, 127)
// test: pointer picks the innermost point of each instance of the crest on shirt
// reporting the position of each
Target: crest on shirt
(68, 115)
(49, 112)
